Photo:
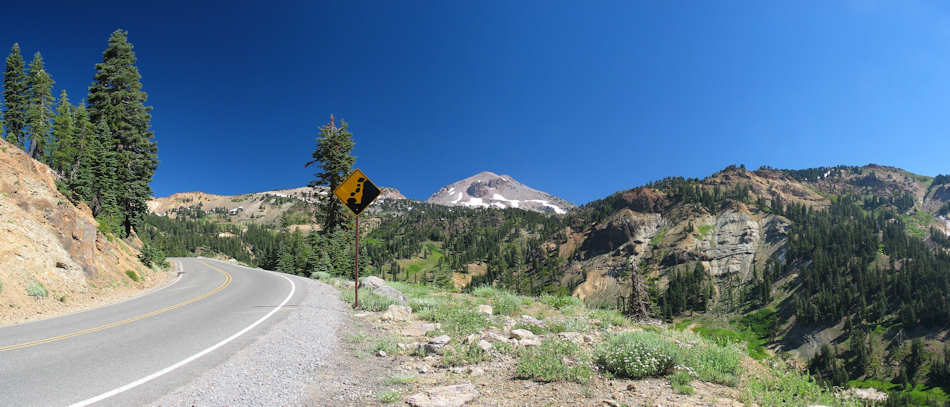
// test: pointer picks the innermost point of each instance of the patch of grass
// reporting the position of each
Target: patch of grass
(569, 325)
(609, 317)
(368, 300)
(457, 319)
(703, 230)
(658, 237)
(681, 383)
(559, 302)
(753, 330)
(411, 290)
(506, 304)
(486, 291)
(546, 363)
(386, 344)
(713, 362)
(133, 276)
(424, 304)
(401, 379)
(36, 290)
(358, 337)
(388, 396)
(535, 329)
(679, 326)
(462, 355)
(782, 386)
(320, 275)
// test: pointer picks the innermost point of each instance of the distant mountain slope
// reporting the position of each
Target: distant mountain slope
(52, 257)
(490, 190)
(294, 205)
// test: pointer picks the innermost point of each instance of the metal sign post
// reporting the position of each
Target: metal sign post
(356, 193)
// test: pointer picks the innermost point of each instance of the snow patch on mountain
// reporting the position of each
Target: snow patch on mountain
(489, 190)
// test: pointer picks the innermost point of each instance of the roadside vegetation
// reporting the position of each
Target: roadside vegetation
(556, 339)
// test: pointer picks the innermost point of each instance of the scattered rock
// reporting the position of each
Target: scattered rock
(528, 319)
(530, 342)
(436, 344)
(485, 309)
(372, 282)
(387, 291)
(407, 347)
(420, 328)
(496, 337)
(520, 334)
(484, 345)
(575, 337)
(610, 403)
(471, 338)
(397, 313)
(362, 314)
(381, 353)
(446, 396)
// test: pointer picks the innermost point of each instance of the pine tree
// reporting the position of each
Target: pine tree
(333, 156)
(40, 110)
(80, 179)
(15, 98)
(63, 146)
(116, 99)
(100, 158)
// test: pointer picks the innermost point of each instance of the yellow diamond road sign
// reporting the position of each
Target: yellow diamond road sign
(357, 192)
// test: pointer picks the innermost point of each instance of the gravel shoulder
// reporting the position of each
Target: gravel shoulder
(282, 366)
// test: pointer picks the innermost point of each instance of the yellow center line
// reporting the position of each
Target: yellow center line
(227, 281)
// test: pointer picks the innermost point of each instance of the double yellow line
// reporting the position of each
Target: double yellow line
(227, 281)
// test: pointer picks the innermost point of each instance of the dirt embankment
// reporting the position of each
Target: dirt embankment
(53, 260)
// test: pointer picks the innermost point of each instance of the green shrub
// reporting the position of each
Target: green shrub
(152, 255)
(714, 363)
(320, 275)
(411, 290)
(132, 275)
(36, 290)
(400, 379)
(485, 291)
(388, 396)
(636, 355)
(506, 304)
(457, 320)
(609, 317)
(680, 382)
(368, 300)
(535, 329)
(569, 325)
(546, 363)
(559, 302)
(424, 304)
(461, 355)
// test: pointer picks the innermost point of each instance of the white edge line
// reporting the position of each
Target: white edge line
(146, 379)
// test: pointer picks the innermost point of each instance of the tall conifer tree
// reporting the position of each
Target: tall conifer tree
(15, 98)
(63, 141)
(40, 110)
(333, 156)
(116, 99)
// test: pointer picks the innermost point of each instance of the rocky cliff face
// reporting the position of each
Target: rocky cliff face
(46, 241)
(490, 190)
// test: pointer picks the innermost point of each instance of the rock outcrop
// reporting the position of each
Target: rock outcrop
(48, 242)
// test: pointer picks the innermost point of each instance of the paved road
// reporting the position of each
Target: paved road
(134, 352)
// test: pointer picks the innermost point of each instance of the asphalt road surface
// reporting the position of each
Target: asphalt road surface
(133, 352)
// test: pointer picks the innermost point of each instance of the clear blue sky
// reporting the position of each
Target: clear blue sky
(579, 99)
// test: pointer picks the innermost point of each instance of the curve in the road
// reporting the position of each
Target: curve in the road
(227, 281)
(146, 379)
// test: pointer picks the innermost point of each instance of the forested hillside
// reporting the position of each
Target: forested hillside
(104, 152)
